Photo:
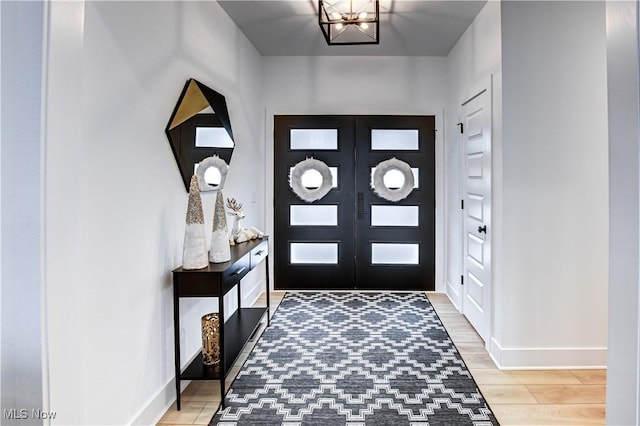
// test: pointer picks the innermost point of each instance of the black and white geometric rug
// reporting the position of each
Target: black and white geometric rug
(355, 359)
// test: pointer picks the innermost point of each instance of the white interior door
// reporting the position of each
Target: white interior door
(476, 119)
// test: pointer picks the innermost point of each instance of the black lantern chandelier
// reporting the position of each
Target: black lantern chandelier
(349, 21)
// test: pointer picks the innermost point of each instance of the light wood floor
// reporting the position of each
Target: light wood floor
(532, 397)
(557, 397)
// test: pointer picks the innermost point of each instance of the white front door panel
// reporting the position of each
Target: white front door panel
(477, 212)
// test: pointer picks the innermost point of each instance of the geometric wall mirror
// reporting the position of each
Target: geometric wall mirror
(199, 127)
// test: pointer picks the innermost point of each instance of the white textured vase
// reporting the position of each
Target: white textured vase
(220, 250)
(194, 252)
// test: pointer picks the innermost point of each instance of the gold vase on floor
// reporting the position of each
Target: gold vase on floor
(211, 339)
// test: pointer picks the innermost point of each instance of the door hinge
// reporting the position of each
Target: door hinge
(462, 204)
(461, 127)
(461, 279)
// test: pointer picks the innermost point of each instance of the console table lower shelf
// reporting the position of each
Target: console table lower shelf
(238, 330)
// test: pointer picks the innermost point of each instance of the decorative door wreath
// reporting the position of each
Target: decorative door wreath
(310, 194)
(209, 162)
(392, 194)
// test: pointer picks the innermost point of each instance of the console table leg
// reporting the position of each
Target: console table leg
(223, 366)
(268, 291)
(176, 342)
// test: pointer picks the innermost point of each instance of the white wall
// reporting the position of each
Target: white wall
(354, 85)
(357, 85)
(623, 370)
(551, 295)
(21, 189)
(472, 64)
(115, 200)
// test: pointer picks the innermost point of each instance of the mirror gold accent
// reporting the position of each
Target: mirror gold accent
(192, 103)
(199, 127)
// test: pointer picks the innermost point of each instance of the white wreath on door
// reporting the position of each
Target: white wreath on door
(310, 194)
(390, 194)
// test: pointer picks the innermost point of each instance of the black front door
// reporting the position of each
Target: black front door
(354, 238)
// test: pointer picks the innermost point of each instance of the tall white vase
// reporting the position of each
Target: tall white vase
(194, 252)
(220, 251)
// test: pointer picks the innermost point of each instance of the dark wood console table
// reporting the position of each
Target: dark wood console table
(216, 280)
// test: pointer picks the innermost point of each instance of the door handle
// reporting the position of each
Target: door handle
(482, 228)
(360, 204)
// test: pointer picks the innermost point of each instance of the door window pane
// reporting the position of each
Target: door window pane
(393, 179)
(318, 179)
(314, 139)
(314, 253)
(390, 180)
(394, 139)
(311, 179)
(395, 254)
(316, 215)
(394, 215)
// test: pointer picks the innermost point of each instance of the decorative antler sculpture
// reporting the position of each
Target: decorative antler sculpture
(238, 233)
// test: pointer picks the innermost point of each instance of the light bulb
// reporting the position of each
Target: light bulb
(339, 26)
(336, 15)
(362, 15)
(364, 25)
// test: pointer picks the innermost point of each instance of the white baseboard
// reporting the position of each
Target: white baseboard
(547, 358)
(159, 404)
(451, 289)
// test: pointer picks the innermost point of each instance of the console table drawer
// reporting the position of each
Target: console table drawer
(239, 269)
(259, 253)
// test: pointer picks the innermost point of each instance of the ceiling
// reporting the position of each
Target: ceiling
(407, 27)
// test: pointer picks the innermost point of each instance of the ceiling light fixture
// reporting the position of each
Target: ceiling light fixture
(349, 21)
